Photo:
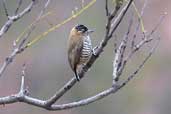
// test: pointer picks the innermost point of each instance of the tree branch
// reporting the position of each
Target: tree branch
(140, 66)
(19, 5)
(5, 8)
(106, 8)
(117, 63)
(138, 25)
(43, 104)
(12, 19)
(119, 18)
(20, 48)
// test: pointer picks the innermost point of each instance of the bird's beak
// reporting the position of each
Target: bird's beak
(90, 31)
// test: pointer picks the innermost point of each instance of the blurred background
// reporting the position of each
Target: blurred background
(48, 68)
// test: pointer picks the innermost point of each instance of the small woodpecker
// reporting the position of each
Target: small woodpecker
(79, 48)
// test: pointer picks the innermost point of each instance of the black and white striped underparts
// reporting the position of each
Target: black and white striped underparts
(87, 49)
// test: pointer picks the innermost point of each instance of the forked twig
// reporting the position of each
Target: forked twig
(12, 19)
(18, 49)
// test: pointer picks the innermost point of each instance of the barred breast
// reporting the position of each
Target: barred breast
(86, 50)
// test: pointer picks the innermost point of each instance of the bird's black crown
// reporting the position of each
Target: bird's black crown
(81, 28)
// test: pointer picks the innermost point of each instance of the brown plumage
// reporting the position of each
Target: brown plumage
(79, 48)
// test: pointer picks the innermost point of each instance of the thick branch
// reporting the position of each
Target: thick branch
(85, 101)
(61, 92)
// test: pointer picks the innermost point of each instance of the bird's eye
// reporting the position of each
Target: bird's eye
(83, 30)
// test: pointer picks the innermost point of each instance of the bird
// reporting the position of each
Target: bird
(79, 48)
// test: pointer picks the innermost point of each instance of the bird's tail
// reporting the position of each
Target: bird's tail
(76, 75)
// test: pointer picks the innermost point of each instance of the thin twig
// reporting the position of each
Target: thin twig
(33, 26)
(140, 66)
(5, 8)
(119, 18)
(118, 60)
(22, 80)
(106, 7)
(157, 25)
(138, 25)
(138, 46)
(12, 19)
(20, 48)
(18, 7)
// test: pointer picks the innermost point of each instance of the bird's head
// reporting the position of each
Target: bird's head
(81, 30)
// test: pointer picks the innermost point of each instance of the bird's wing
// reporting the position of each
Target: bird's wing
(74, 52)
(77, 53)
